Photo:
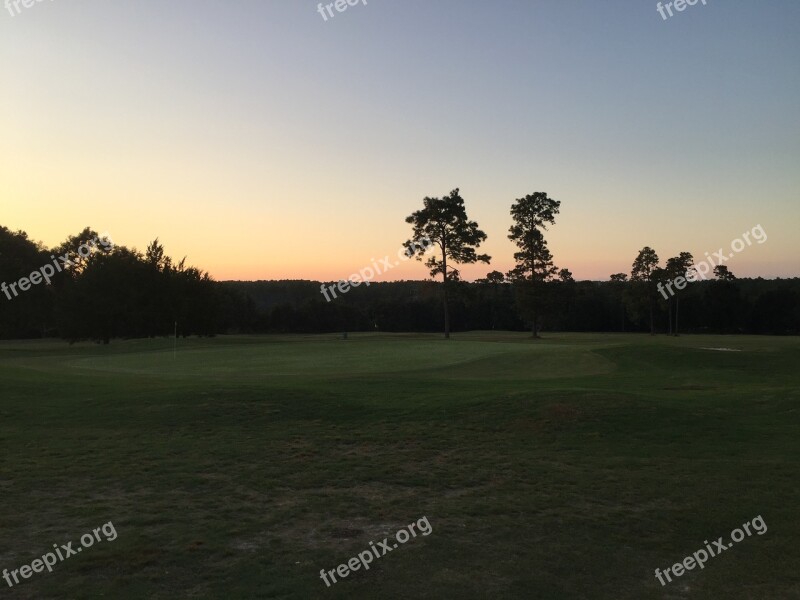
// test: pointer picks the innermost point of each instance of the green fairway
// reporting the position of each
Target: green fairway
(569, 467)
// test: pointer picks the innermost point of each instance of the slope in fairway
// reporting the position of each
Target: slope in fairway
(570, 467)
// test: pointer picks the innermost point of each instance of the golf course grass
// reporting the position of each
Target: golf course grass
(239, 467)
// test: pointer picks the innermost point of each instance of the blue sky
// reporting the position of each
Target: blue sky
(265, 142)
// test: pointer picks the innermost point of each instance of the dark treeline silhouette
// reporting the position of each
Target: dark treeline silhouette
(116, 292)
(754, 306)
(100, 291)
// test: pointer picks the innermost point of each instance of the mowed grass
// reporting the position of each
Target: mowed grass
(569, 467)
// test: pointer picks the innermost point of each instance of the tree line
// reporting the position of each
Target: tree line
(747, 306)
(544, 295)
(119, 292)
(110, 292)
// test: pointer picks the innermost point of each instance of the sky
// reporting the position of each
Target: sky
(262, 141)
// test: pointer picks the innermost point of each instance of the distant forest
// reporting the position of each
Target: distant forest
(116, 292)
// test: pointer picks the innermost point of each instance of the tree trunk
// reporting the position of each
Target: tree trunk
(446, 311)
(652, 323)
(669, 316)
(444, 294)
(534, 333)
(677, 304)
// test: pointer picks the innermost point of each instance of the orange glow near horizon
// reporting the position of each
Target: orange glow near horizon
(234, 143)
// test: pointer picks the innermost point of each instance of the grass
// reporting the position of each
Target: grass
(569, 467)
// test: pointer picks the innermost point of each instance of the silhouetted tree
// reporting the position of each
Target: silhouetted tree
(680, 270)
(643, 271)
(534, 262)
(722, 273)
(25, 308)
(444, 223)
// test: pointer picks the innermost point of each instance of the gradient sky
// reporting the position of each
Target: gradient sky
(263, 142)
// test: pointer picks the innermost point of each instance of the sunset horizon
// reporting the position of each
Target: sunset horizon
(407, 299)
(255, 168)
